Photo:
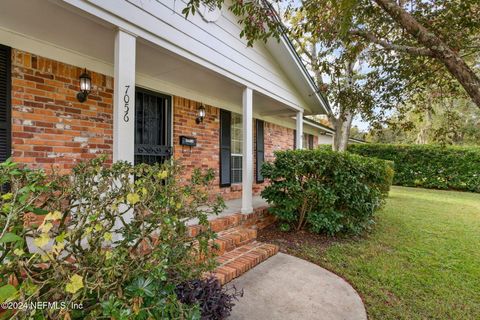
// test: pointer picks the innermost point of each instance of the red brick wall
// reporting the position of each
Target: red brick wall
(206, 153)
(277, 138)
(49, 126)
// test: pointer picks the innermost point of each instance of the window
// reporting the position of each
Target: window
(237, 147)
(231, 148)
(307, 141)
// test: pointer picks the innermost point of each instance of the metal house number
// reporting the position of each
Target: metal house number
(126, 100)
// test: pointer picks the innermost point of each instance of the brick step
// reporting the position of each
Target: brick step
(238, 261)
(258, 219)
(232, 238)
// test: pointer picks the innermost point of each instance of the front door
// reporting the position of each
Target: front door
(153, 123)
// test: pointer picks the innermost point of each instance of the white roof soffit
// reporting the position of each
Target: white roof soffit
(317, 125)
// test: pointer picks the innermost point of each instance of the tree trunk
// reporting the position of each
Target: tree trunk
(343, 123)
(342, 126)
(422, 136)
(347, 124)
(337, 125)
(346, 115)
(440, 50)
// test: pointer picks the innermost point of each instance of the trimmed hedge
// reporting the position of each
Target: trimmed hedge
(429, 166)
(326, 191)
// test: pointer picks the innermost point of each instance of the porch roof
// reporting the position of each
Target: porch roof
(82, 33)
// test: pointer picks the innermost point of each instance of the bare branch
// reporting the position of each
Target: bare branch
(302, 47)
(390, 46)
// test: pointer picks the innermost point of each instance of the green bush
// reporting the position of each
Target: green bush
(111, 239)
(429, 166)
(326, 191)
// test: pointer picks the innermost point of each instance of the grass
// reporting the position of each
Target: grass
(422, 260)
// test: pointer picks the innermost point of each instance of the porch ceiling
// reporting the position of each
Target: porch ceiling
(47, 21)
(198, 82)
(54, 24)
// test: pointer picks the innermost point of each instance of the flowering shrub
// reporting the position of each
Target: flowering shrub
(429, 166)
(107, 242)
(326, 191)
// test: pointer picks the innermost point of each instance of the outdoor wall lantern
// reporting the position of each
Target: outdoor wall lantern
(85, 86)
(201, 114)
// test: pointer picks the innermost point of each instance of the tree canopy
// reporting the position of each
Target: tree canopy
(420, 44)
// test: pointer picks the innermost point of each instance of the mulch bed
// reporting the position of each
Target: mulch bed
(292, 242)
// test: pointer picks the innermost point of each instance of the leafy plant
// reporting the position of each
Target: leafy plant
(215, 301)
(111, 238)
(326, 191)
(429, 166)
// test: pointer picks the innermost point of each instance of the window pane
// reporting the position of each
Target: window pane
(237, 133)
(236, 169)
(237, 147)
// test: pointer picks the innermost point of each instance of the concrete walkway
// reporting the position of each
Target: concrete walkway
(288, 288)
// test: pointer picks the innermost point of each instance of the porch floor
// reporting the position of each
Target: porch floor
(235, 206)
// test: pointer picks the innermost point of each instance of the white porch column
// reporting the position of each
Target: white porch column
(124, 97)
(247, 159)
(299, 136)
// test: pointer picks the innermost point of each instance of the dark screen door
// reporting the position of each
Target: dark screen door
(153, 118)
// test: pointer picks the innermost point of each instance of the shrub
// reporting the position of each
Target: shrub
(113, 239)
(429, 166)
(215, 301)
(326, 191)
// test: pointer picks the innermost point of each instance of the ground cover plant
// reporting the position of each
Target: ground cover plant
(326, 191)
(215, 302)
(109, 242)
(429, 166)
(421, 261)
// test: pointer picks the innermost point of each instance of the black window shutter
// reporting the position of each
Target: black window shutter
(225, 148)
(5, 93)
(260, 143)
(294, 139)
(310, 141)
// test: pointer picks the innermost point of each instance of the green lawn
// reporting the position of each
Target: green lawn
(422, 261)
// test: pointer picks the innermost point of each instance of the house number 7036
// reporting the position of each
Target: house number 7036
(126, 100)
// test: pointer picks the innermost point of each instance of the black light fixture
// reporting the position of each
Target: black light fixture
(201, 114)
(85, 86)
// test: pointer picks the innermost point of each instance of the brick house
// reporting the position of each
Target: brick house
(151, 71)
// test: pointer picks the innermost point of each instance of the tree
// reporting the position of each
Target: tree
(425, 38)
(443, 120)
(342, 72)
(430, 44)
